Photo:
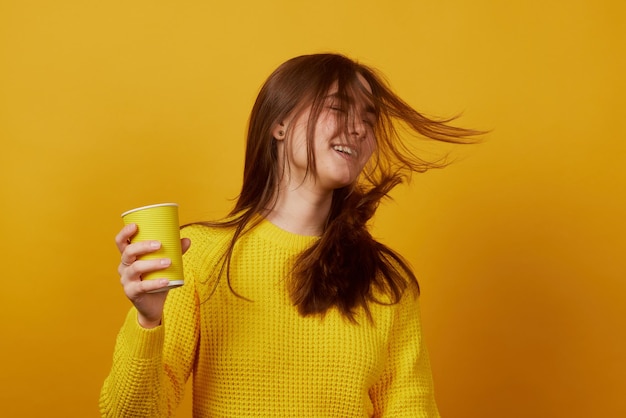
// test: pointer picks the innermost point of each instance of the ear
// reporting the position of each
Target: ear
(279, 131)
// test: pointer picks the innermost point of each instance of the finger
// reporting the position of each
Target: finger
(134, 271)
(136, 289)
(134, 251)
(122, 239)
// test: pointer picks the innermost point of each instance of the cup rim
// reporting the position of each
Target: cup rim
(148, 207)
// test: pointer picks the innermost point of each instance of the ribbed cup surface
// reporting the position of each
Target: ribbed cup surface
(159, 222)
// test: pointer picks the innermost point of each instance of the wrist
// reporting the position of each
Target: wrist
(147, 323)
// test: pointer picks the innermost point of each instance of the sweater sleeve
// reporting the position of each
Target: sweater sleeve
(405, 388)
(151, 366)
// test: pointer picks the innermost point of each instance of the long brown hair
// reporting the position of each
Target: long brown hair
(346, 267)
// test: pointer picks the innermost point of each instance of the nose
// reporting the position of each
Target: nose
(358, 128)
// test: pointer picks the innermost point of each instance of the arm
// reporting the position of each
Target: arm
(405, 388)
(151, 366)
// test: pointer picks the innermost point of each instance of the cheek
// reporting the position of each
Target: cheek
(326, 126)
(299, 153)
(368, 148)
(292, 150)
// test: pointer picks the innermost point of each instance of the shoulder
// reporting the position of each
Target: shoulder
(207, 243)
(396, 280)
(200, 229)
(203, 235)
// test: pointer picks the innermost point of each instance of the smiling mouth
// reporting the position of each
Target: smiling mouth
(343, 149)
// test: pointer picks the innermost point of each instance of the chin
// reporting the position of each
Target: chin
(341, 184)
(338, 181)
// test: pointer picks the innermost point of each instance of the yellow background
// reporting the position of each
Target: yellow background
(519, 245)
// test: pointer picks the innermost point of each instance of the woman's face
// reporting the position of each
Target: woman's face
(340, 154)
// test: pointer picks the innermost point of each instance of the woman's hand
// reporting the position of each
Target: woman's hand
(149, 305)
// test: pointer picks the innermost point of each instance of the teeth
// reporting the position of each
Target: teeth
(345, 150)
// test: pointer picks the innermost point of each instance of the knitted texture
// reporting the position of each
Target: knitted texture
(253, 355)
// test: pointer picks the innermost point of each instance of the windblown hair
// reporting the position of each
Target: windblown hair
(346, 267)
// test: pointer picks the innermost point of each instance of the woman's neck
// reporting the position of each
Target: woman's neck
(300, 211)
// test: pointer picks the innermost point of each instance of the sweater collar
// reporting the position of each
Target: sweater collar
(282, 238)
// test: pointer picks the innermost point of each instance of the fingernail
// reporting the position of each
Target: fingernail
(166, 261)
(155, 244)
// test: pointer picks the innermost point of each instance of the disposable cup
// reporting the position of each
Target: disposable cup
(160, 223)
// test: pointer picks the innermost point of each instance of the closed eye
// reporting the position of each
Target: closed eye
(368, 112)
(336, 106)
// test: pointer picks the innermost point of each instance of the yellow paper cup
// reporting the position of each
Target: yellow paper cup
(159, 223)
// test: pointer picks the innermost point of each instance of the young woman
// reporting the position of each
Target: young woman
(290, 307)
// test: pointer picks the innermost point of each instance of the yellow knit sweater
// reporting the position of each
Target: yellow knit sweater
(257, 357)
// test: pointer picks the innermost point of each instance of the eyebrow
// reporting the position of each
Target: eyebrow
(369, 108)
